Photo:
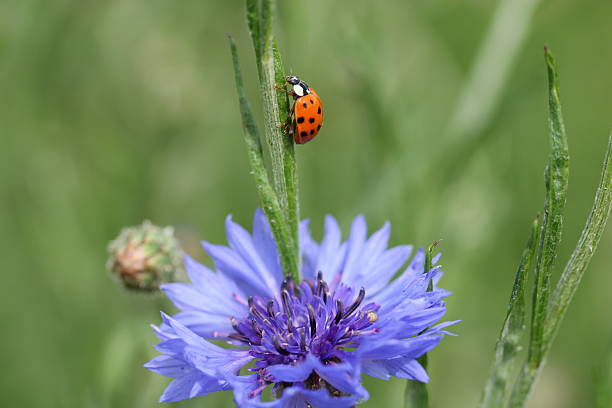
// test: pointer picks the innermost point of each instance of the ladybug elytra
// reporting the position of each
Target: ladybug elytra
(307, 111)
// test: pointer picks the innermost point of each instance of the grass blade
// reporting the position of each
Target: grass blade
(573, 272)
(289, 160)
(557, 171)
(253, 21)
(266, 193)
(508, 344)
(269, 63)
(587, 244)
(556, 175)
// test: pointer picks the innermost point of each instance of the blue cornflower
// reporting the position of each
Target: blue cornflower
(299, 344)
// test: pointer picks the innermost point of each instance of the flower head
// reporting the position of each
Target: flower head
(145, 256)
(299, 344)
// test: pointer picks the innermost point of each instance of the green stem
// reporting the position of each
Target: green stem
(508, 345)
(587, 244)
(260, 16)
(267, 195)
(416, 394)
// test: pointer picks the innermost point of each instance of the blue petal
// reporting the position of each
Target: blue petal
(205, 324)
(412, 347)
(309, 251)
(229, 263)
(330, 257)
(168, 366)
(355, 246)
(242, 242)
(387, 264)
(265, 244)
(344, 376)
(180, 388)
(403, 367)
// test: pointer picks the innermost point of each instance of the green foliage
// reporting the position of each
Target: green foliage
(260, 17)
(546, 315)
(280, 203)
(509, 343)
(267, 195)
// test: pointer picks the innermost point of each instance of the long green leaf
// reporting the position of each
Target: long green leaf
(556, 175)
(570, 279)
(587, 244)
(271, 206)
(289, 160)
(253, 21)
(508, 344)
(260, 16)
(557, 171)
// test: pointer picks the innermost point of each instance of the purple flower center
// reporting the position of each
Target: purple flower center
(309, 318)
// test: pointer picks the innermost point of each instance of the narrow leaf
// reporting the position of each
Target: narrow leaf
(557, 171)
(280, 145)
(587, 244)
(289, 160)
(253, 21)
(508, 344)
(267, 195)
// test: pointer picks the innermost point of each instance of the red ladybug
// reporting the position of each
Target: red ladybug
(307, 111)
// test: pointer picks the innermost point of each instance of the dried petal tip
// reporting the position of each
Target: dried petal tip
(145, 256)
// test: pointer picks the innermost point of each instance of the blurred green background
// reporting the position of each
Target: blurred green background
(436, 119)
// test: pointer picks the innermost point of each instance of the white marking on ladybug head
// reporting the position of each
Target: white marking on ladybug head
(298, 90)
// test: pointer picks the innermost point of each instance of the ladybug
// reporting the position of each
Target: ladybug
(307, 112)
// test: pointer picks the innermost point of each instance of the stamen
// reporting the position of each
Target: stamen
(302, 334)
(235, 323)
(313, 321)
(278, 347)
(285, 301)
(239, 337)
(325, 290)
(255, 326)
(253, 309)
(339, 312)
(372, 316)
(355, 304)
(270, 308)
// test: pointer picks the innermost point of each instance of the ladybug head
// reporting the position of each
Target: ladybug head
(292, 79)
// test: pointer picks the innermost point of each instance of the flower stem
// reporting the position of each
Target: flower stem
(260, 18)
(416, 394)
(267, 195)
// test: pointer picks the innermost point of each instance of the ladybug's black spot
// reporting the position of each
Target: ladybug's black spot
(312, 102)
(319, 110)
(303, 134)
(300, 119)
(311, 120)
(312, 132)
(305, 104)
(318, 127)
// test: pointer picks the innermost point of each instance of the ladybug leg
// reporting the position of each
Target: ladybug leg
(287, 127)
(278, 88)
